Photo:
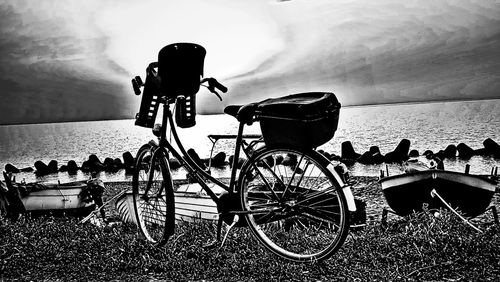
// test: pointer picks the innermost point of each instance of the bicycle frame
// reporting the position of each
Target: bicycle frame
(201, 176)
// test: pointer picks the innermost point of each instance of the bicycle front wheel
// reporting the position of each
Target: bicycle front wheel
(153, 196)
(293, 204)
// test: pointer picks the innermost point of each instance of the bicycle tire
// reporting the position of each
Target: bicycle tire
(293, 204)
(154, 210)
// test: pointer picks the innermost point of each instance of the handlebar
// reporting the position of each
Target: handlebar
(213, 84)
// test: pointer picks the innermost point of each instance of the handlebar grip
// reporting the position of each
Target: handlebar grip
(139, 80)
(136, 86)
(219, 86)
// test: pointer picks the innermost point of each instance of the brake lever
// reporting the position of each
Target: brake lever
(212, 89)
(212, 84)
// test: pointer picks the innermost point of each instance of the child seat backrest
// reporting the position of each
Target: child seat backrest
(180, 68)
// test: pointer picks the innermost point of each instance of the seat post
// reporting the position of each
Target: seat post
(237, 149)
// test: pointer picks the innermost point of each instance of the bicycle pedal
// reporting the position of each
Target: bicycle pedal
(235, 221)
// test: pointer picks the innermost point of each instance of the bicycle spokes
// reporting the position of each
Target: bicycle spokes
(294, 205)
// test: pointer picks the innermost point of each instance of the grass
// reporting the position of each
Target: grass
(421, 247)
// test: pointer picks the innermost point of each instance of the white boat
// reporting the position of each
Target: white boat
(58, 198)
(74, 198)
(191, 204)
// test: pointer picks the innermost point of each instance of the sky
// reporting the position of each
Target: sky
(72, 60)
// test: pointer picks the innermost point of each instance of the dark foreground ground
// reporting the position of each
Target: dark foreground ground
(417, 248)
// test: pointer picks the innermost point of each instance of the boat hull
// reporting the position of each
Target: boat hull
(189, 207)
(58, 199)
(466, 193)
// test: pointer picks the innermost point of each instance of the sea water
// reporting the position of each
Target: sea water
(429, 126)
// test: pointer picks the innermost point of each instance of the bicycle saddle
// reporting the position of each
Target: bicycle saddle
(243, 113)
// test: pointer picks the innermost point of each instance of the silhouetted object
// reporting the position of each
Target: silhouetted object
(267, 162)
(492, 147)
(279, 160)
(428, 154)
(334, 157)
(41, 168)
(290, 160)
(118, 163)
(347, 153)
(481, 152)
(464, 151)
(128, 162)
(304, 120)
(414, 154)
(174, 163)
(15, 206)
(185, 111)
(95, 164)
(439, 155)
(27, 169)
(109, 165)
(400, 153)
(326, 154)
(85, 166)
(63, 168)
(196, 158)
(219, 159)
(9, 168)
(358, 218)
(450, 152)
(238, 164)
(53, 166)
(436, 163)
(372, 156)
(72, 167)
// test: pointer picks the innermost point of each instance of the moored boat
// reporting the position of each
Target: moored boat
(58, 198)
(74, 198)
(408, 192)
(189, 207)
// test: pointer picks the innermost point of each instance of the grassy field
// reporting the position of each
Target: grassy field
(421, 247)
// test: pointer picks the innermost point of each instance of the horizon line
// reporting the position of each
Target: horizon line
(208, 114)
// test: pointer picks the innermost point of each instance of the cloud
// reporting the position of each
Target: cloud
(73, 60)
(381, 52)
(54, 66)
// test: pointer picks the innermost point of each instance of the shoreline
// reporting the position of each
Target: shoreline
(365, 188)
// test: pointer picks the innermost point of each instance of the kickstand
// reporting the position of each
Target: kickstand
(236, 218)
(213, 243)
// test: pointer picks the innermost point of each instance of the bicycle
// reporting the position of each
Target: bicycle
(289, 195)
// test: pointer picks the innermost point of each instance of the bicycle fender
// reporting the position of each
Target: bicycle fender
(346, 188)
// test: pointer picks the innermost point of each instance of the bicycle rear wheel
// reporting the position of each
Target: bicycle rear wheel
(153, 196)
(294, 205)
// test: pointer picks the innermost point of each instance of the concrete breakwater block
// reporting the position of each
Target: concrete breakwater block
(43, 169)
(128, 161)
(413, 154)
(372, 156)
(219, 160)
(239, 163)
(9, 168)
(464, 151)
(491, 147)
(347, 153)
(196, 158)
(450, 152)
(400, 153)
